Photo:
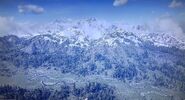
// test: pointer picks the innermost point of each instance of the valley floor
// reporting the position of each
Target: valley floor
(33, 78)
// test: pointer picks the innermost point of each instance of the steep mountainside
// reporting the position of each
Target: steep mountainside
(137, 66)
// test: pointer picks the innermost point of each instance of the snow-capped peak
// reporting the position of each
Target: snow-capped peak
(95, 29)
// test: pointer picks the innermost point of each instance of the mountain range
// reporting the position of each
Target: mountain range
(138, 64)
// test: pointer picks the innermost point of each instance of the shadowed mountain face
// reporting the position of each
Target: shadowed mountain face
(128, 64)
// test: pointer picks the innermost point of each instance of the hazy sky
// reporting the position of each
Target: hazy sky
(159, 15)
(111, 10)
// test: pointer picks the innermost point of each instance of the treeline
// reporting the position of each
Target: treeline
(91, 91)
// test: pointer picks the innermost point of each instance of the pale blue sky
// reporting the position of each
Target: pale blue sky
(134, 11)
